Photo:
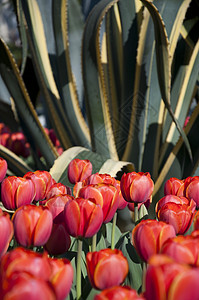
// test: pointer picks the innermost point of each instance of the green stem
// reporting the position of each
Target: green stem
(143, 276)
(113, 231)
(78, 278)
(136, 218)
(94, 242)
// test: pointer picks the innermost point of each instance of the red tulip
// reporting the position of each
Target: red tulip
(16, 191)
(23, 286)
(7, 231)
(118, 293)
(172, 186)
(21, 260)
(57, 189)
(61, 277)
(196, 221)
(3, 168)
(17, 143)
(149, 236)
(192, 189)
(161, 275)
(59, 240)
(32, 225)
(177, 211)
(183, 249)
(42, 181)
(83, 217)
(56, 206)
(122, 202)
(79, 169)
(136, 187)
(106, 268)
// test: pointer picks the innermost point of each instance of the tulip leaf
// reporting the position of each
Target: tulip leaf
(109, 233)
(134, 277)
(22, 31)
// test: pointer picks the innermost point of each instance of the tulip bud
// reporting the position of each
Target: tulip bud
(192, 189)
(16, 191)
(136, 187)
(172, 186)
(83, 217)
(61, 277)
(118, 292)
(149, 236)
(57, 189)
(106, 268)
(7, 231)
(79, 169)
(42, 181)
(177, 211)
(32, 225)
(3, 168)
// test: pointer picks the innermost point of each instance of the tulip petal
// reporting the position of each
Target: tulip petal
(43, 228)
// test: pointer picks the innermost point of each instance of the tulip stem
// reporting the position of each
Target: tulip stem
(94, 242)
(136, 218)
(113, 231)
(78, 277)
(144, 267)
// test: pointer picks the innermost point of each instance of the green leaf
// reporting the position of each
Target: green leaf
(22, 31)
(31, 125)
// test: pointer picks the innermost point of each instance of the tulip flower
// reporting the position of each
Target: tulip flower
(161, 276)
(183, 249)
(16, 191)
(79, 169)
(83, 217)
(192, 189)
(3, 168)
(42, 181)
(106, 268)
(7, 231)
(57, 189)
(118, 292)
(21, 260)
(23, 286)
(136, 187)
(196, 221)
(122, 202)
(32, 225)
(17, 143)
(172, 186)
(56, 206)
(149, 236)
(61, 277)
(177, 211)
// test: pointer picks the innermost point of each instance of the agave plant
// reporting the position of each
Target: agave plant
(117, 84)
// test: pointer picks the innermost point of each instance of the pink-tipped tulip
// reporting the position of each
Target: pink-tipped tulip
(118, 293)
(56, 206)
(83, 217)
(106, 268)
(57, 189)
(32, 225)
(16, 191)
(61, 277)
(149, 236)
(172, 186)
(7, 231)
(42, 181)
(3, 168)
(79, 169)
(136, 187)
(177, 211)
(161, 275)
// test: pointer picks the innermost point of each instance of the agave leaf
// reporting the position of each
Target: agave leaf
(7, 116)
(31, 125)
(164, 65)
(185, 95)
(177, 164)
(15, 164)
(39, 51)
(97, 105)
(23, 37)
(62, 11)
